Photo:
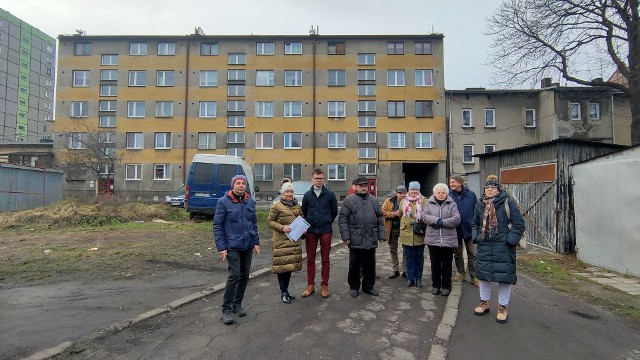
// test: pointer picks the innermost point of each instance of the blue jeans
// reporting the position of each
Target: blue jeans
(415, 261)
(239, 265)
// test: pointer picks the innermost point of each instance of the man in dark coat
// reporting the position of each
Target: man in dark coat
(466, 201)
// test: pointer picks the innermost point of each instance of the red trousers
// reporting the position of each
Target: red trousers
(311, 242)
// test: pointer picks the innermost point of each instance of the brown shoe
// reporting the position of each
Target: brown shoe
(459, 277)
(324, 291)
(475, 281)
(502, 314)
(310, 290)
(482, 309)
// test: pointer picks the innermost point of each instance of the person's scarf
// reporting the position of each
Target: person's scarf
(489, 219)
(289, 203)
(407, 207)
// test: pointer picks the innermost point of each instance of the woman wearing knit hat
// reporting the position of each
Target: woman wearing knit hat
(412, 207)
(496, 240)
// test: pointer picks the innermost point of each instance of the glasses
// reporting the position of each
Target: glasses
(490, 187)
(317, 178)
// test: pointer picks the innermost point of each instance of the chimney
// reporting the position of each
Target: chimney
(545, 83)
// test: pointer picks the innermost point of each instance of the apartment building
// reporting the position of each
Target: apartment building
(27, 69)
(356, 106)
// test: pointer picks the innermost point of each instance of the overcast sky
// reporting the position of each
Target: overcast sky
(461, 21)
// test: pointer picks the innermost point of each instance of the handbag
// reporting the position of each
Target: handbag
(522, 243)
(419, 228)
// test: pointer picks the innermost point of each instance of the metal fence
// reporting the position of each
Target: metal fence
(23, 187)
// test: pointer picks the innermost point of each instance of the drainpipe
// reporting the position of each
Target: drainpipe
(313, 107)
(448, 165)
(186, 115)
(613, 122)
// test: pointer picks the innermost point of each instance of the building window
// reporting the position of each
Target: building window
(366, 90)
(108, 90)
(79, 108)
(293, 140)
(208, 48)
(574, 111)
(335, 78)
(235, 121)
(82, 49)
(424, 108)
(106, 137)
(77, 140)
(164, 78)
(337, 109)
(366, 169)
(395, 48)
(239, 152)
(234, 75)
(47, 105)
(397, 140)
(235, 105)
(293, 109)
(336, 172)
(161, 172)
(490, 118)
(108, 105)
(423, 48)
(366, 121)
(138, 78)
(395, 77)
(108, 75)
(134, 140)
(366, 59)
(367, 137)
(48, 82)
(162, 141)
(264, 48)
(336, 48)
(292, 171)
(424, 77)
(166, 49)
(164, 109)
(138, 49)
(366, 153)
(366, 75)
(235, 90)
(207, 140)
(467, 154)
(337, 140)
(109, 60)
(466, 118)
(366, 105)
(489, 148)
(263, 172)
(529, 117)
(264, 109)
(208, 78)
(293, 78)
(133, 172)
(395, 109)
(293, 48)
(107, 121)
(135, 109)
(236, 59)
(208, 109)
(264, 140)
(265, 77)
(80, 78)
(423, 140)
(594, 111)
(235, 138)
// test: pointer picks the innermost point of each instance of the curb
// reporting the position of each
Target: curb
(445, 328)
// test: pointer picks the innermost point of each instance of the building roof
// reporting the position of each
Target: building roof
(546, 143)
(75, 37)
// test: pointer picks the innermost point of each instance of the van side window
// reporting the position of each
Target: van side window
(225, 173)
(203, 174)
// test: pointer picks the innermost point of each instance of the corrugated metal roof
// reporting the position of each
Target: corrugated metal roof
(556, 141)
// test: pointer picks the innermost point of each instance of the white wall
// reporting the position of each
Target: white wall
(606, 198)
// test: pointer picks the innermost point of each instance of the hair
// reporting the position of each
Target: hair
(284, 180)
(317, 171)
(457, 178)
(441, 186)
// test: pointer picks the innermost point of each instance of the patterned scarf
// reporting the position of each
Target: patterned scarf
(407, 207)
(489, 220)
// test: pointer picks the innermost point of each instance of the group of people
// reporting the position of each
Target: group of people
(451, 220)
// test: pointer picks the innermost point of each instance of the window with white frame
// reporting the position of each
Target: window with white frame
(106, 137)
(162, 140)
(490, 118)
(235, 90)
(424, 108)
(467, 154)
(161, 172)
(336, 109)
(424, 77)
(235, 105)
(367, 137)
(395, 109)
(293, 48)
(164, 108)
(263, 172)
(264, 140)
(264, 48)
(529, 117)
(138, 49)
(82, 49)
(366, 90)
(336, 48)
(236, 59)
(235, 75)
(265, 77)
(397, 140)
(77, 140)
(209, 48)
(336, 78)
(209, 78)
(235, 137)
(366, 75)
(423, 48)
(395, 48)
(109, 74)
(207, 140)
(337, 140)
(574, 111)
(366, 59)
(292, 171)
(164, 78)
(366, 169)
(239, 152)
(208, 109)
(594, 111)
(466, 118)
(366, 121)
(105, 169)
(108, 90)
(293, 78)
(79, 108)
(395, 77)
(423, 140)
(135, 109)
(235, 121)
(293, 109)
(48, 82)
(137, 78)
(366, 105)
(489, 148)
(166, 49)
(336, 171)
(292, 140)
(134, 140)
(80, 78)
(133, 172)
(108, 105)
(264, 109)
(107, 121)
(109, 60)
(366, 153)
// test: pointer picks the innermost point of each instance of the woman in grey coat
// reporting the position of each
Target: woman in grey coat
(441, 237)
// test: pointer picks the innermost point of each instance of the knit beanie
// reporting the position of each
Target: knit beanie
(286, 186)
(239, 177)
(414, 185)
(492, 180)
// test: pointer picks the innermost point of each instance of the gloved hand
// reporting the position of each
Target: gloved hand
(440, 223)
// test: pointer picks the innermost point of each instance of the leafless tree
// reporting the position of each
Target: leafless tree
(579, 40)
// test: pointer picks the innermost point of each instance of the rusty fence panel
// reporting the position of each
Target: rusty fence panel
(23, 187)
(537, 202)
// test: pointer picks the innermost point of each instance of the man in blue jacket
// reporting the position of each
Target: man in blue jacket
(235, 228)
(466, 201)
